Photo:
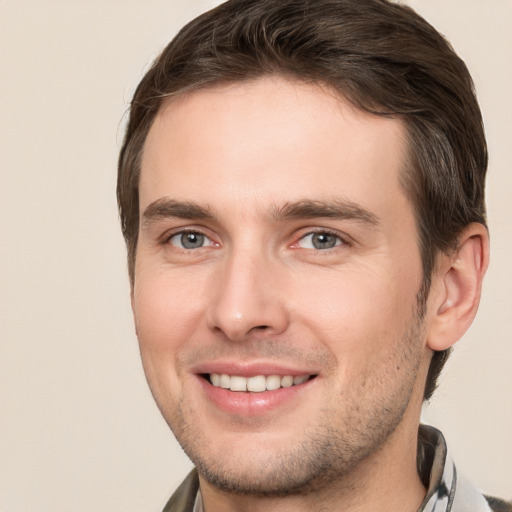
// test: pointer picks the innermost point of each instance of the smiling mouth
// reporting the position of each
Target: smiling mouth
(257, 383)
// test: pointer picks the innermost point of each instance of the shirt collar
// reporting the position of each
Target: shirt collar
(198, 505)
(443, 475)
(447, 490)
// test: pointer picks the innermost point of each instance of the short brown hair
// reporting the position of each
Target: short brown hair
(381, 56)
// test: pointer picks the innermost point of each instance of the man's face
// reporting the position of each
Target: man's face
(276, 247)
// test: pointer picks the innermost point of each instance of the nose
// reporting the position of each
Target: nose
(248, 298)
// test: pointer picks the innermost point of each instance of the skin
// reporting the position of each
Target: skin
(265, 164)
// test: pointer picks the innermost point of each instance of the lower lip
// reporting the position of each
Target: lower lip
(252, 404)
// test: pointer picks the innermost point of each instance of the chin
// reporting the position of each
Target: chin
(276, 469)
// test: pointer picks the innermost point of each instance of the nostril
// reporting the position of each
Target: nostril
(261, 327)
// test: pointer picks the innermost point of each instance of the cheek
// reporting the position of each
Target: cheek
(359, 314)
(366, 325)
(166, 313)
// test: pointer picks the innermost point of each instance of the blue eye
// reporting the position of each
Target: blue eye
(320, 241)
(189, 240)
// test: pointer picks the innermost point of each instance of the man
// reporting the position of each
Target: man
(301, 190)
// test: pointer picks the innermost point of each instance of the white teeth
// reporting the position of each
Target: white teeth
(238, 383)
(224, 381)
(287, 381)
(273, 382)
(256, 384)
(299, 379)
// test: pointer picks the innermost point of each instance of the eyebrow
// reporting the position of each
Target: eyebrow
(164, 208)
(303, 209)
(335, 208)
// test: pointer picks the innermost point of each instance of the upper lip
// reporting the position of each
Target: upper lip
(251, 369)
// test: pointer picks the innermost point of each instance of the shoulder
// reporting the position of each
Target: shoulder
(499, 505)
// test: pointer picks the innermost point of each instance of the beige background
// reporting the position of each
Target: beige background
(79, 430)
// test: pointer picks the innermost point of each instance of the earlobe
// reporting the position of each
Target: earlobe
(458, 285)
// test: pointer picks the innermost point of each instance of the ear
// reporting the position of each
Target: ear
(456, 288)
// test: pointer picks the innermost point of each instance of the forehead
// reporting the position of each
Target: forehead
(270, 140)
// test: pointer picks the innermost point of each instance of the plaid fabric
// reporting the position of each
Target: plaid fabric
(447, 490)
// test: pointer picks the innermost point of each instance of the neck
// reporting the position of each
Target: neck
(386, 480)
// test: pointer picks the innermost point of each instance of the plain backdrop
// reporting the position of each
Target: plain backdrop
(79, 430)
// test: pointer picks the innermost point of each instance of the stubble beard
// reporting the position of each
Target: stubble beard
(328, 454)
